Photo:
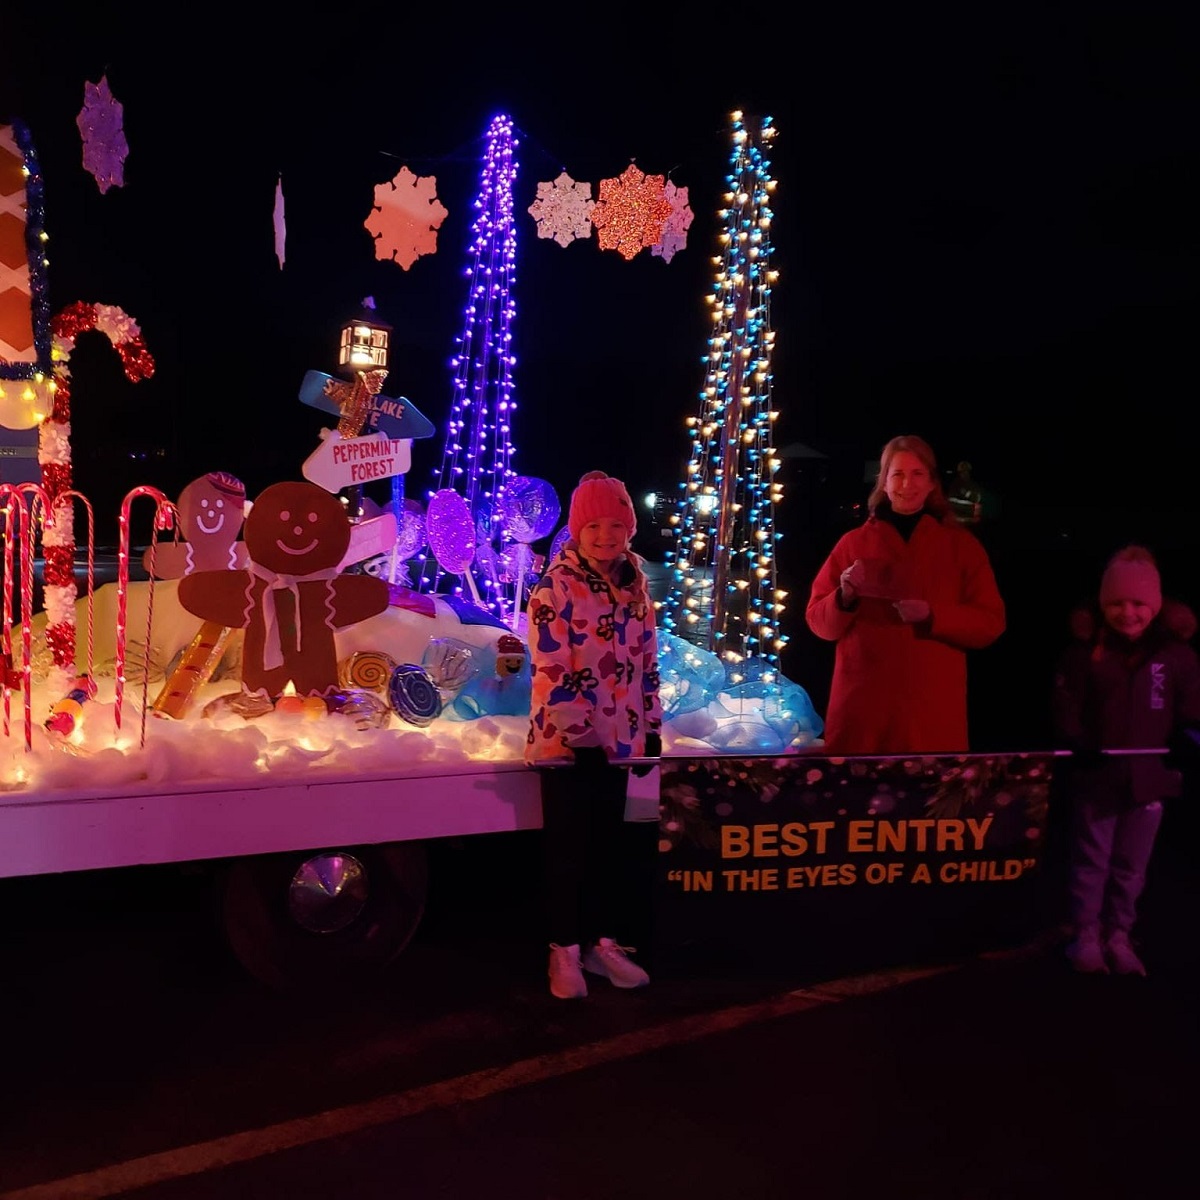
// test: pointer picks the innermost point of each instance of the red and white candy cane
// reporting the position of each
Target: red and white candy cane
(16, 506)
(166, 516)
(63, 519)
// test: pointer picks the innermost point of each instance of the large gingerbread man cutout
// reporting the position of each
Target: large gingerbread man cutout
(211, 511)
(291, 598)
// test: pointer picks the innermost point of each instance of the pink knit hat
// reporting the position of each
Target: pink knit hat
(1132, 578)
(599, 496)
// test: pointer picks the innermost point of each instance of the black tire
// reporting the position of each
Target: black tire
(285, 945)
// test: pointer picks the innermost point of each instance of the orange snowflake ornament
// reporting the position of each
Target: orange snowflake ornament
(632, 210)
(405, 218)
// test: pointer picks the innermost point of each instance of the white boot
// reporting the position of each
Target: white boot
(1121, 957)
(1085, 954)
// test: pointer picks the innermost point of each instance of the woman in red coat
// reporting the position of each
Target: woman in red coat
(904, 596)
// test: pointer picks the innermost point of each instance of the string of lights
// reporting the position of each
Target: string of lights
(724, 591)
(478, 454)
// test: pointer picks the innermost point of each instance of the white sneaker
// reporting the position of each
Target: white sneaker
(1085, 953)
(608, 959)
(566, 979)
(1121, 957)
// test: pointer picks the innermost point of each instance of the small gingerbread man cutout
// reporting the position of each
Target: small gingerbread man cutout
(211, 510)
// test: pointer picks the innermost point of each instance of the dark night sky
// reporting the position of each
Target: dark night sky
(985, 228)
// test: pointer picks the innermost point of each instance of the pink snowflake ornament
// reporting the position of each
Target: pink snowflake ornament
(405, 219)
(279, 222)
(100, 122)
(563, 209)
(674, 235)
(631, 211)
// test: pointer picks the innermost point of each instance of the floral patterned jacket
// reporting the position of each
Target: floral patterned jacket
(594, 651)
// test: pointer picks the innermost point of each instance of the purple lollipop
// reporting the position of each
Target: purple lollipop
(451, 530)
(529, 508)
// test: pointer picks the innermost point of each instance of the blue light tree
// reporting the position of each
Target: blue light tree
(724, 594)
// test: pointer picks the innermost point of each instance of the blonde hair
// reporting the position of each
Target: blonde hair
(936, 502)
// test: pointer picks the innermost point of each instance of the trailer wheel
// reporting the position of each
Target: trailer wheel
(320, 917)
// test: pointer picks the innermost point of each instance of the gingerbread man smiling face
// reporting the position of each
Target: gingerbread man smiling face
(297, 528)
(291, 598)
(210, 517)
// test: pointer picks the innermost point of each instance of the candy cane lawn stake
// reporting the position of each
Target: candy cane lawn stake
(166, 516)
(64, 515)
(15, 505)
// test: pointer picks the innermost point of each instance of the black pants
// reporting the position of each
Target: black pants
(594, 886)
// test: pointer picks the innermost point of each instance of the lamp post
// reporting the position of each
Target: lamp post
(363, 357)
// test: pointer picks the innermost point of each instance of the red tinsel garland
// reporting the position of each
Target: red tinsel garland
(138, 364)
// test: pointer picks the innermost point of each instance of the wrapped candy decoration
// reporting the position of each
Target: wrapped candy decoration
(66, 713)
(451, 665)
(413, 695)
(366, 709)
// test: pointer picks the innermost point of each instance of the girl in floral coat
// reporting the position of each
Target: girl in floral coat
(594, 652)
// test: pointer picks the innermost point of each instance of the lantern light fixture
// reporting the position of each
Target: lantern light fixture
(364, 340)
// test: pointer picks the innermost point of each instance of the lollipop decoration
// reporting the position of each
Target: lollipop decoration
(369, 669)
(451, 532)
(413, 695)
(410, 533)
(529, 509)
(560, 540)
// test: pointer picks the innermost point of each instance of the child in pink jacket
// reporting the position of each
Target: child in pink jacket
(594, 653)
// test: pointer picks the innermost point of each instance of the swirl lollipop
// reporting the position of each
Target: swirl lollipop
(413, 695)
(370, 669)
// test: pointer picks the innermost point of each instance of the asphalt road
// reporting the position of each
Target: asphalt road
(140, 1061)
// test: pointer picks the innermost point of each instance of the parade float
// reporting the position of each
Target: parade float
(304, 686)
(300, 691)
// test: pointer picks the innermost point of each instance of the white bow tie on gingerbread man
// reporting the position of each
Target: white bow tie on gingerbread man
(276, 582)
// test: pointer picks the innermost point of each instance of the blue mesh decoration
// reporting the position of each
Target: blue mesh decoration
(413, 695)
(689, 676)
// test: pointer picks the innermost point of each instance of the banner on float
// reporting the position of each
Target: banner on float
(871, 859)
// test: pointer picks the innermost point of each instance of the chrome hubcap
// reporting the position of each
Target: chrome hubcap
(328, 892)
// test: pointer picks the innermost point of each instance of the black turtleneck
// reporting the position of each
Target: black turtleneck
(904, 523)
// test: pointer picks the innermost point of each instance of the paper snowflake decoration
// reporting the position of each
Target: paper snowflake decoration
(405, 218)
(631, 211)
(100, 126)
(674, 234)
(563, 209)
(279, 221)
